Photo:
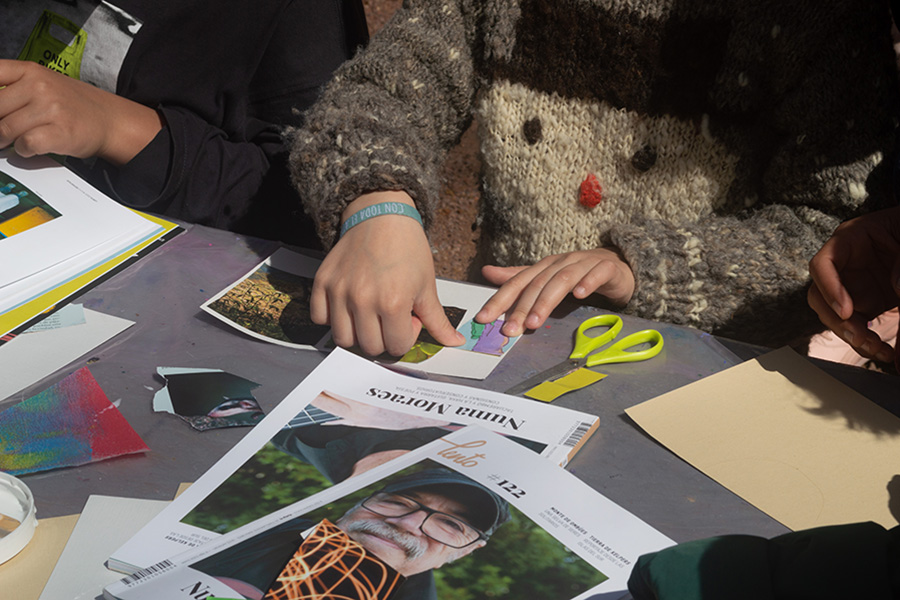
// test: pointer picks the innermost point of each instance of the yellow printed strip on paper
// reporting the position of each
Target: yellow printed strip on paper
(551, 390)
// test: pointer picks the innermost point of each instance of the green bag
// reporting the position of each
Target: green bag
(44, 48)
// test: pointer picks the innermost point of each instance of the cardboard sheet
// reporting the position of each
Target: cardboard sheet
(24, 576)
(786, 437)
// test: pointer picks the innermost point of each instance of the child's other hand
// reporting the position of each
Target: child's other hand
(44, 112)
(536, 290)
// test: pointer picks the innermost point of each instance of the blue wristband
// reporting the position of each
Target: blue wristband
(379, 210)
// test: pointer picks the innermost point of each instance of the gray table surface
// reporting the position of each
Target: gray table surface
(163, 293)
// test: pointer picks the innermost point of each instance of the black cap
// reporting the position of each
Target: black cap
(486, 510)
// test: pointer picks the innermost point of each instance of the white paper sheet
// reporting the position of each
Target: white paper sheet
(106, 523)
(32, 356)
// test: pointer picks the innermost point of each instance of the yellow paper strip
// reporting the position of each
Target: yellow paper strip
(551, 390)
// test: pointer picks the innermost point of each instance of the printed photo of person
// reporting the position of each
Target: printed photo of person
(446, 534)
(209, 398)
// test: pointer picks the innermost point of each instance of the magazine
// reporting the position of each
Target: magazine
(469, 515)
(271, 303)
(347, 416)
(58, 234)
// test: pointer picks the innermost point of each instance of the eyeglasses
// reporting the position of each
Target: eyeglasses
(439, 526)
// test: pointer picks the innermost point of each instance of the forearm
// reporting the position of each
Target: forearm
(131, 126)
(194, 171)
(388, 118)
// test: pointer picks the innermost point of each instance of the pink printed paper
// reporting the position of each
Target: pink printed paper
(71, 423)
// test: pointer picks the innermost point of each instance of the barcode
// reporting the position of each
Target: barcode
(576, 435)
(162, 566)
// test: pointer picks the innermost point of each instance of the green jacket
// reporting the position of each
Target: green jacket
(839, 562)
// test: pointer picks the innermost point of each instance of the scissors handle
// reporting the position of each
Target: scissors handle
(619, 352)
(584, 343)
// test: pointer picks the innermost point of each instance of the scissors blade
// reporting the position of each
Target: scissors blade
(554, 372)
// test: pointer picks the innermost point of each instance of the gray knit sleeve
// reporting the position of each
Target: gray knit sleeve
(743, 271)
(389, 116)
(743, 278)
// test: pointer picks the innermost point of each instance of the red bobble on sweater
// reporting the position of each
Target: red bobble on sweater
(591, 192)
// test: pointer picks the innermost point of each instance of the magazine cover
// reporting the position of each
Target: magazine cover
(347, 417)
(469, 515)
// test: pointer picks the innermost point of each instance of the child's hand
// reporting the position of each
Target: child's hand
(44, 112)
(376, 287)
(537, 290)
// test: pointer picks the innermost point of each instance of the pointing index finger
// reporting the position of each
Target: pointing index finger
(435, 321)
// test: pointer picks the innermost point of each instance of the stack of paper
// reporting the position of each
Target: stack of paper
(57, 235)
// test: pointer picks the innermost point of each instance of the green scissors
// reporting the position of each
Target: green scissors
(584, 354)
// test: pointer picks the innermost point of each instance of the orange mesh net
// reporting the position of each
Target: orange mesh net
(328, 564)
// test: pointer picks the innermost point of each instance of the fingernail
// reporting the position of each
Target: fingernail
(867, 347)
(883, 356)
(849, 337)
(836, 307)
(579, 292)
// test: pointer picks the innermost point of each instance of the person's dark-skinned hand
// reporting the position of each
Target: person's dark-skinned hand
(856, 277)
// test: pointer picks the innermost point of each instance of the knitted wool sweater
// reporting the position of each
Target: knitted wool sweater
(716, 143)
